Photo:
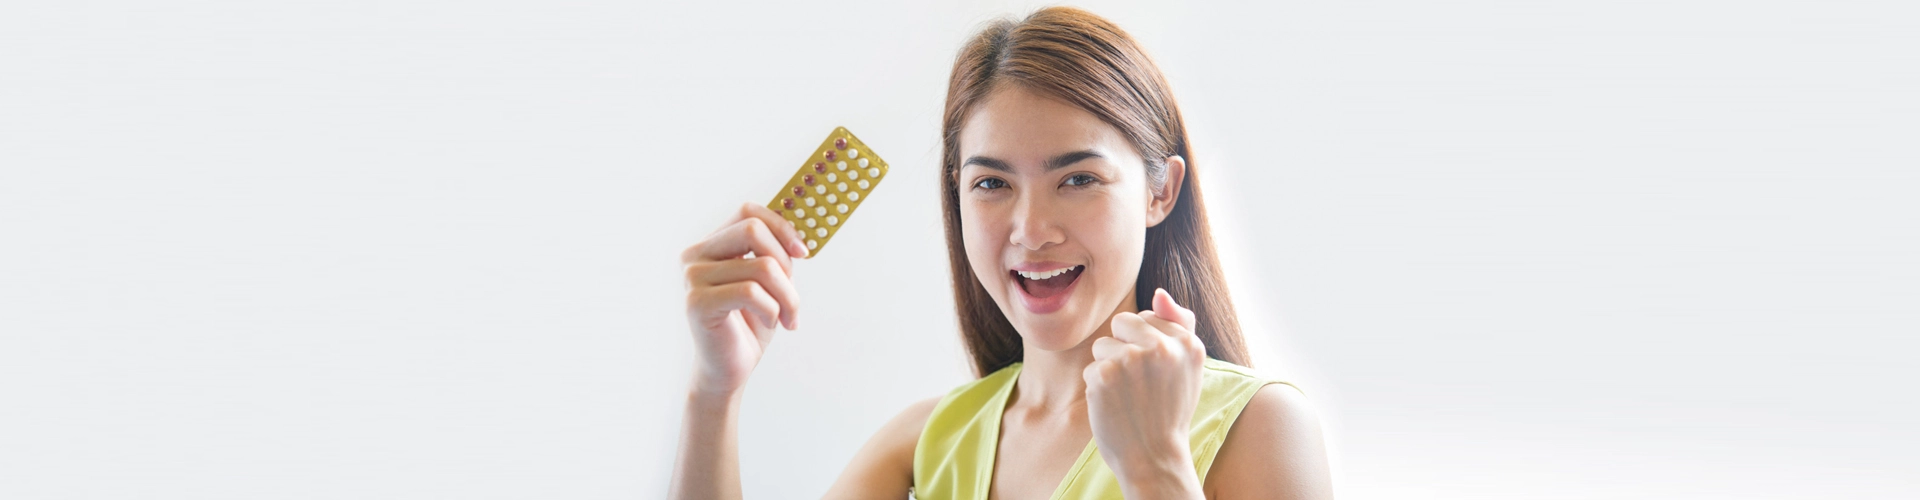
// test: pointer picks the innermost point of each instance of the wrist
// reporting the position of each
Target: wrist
(702, 397)
(1162, 475)
(706, 385)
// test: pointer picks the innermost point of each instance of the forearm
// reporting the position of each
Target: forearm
(709, 462)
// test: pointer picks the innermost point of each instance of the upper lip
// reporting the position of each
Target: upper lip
(1042, 267)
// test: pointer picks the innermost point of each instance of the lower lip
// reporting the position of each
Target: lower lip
(1039, 305)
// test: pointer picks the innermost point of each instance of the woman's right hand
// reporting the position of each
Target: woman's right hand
(734, 301)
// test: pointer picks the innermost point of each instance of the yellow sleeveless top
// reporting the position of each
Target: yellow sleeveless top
(954, 458)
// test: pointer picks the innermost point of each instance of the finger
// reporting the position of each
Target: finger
(1165, 307)
(1132, 329)
(763, 270)
(735, 240)
(1096, 373)
(1163, 326)
(790, 237)
(787, 238)
(744, 296)
(1105, 348)
(1176, 334)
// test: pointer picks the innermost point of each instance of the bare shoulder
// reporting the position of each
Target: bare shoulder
(883, 468)
(1274, 450)
(905, 427)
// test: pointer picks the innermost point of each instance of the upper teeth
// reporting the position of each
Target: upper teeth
(1045, 274)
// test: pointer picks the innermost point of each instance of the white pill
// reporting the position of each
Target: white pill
(832, 220)
(863, 163)
(873, 172)
(820, 211)
(820, 189)
(801, 212)
(842, 165)
(809, 203)
(842, 208)
(831, 177)
(811, 223)
(822, 232)
(853, 196)
(832, 199)
(812, 244)
(863, 185)
(841, 186)
(853, 153)
(792, 225)
(853, 174)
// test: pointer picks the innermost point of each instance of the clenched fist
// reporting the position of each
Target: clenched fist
(1142, 388)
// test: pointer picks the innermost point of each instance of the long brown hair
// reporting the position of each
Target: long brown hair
(1082, 59)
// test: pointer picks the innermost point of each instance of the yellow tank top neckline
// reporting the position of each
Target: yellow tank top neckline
(954, 457)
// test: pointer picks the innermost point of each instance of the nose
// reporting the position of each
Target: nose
(1034, 224)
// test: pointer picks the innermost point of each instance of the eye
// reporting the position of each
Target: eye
(1079, 180)
(989, 183)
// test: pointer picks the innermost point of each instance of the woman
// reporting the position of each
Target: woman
(1088, 291)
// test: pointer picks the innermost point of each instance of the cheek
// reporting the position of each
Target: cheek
(978, 234)
(1115, 233)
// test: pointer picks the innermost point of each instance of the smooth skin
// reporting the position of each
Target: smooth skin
(1042, 181)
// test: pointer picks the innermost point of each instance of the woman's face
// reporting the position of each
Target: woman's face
(1054, 210)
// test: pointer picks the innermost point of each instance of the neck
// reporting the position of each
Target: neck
(1056, 380)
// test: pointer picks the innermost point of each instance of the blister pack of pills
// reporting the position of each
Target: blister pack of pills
(832, 183)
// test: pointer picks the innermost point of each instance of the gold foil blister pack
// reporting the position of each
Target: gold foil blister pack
(829, 187)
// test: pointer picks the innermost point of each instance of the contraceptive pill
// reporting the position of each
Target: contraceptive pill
(809, 188)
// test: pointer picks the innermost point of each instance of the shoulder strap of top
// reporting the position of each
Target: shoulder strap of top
(1225, 390)
(953, 457)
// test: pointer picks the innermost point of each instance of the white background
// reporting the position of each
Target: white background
(382, 249)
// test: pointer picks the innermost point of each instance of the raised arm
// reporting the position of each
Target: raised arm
(740, 286)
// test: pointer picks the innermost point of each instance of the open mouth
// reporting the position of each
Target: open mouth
(1048, 284)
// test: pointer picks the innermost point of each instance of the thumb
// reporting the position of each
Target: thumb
(1165, 308)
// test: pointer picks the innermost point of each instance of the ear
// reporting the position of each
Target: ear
(1163, 200)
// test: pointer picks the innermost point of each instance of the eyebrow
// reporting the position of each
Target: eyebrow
(1056, 163)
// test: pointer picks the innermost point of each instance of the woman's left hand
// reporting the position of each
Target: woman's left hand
(1141, 391)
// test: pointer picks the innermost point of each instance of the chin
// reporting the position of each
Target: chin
(1054, 335)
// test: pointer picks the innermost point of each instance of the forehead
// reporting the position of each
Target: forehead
(1021, 126)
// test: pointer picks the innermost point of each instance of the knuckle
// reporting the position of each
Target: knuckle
(697, 251)
(756, 227)
(752, 289)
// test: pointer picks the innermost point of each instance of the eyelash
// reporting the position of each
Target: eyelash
(1089, 180)
(977, 184)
